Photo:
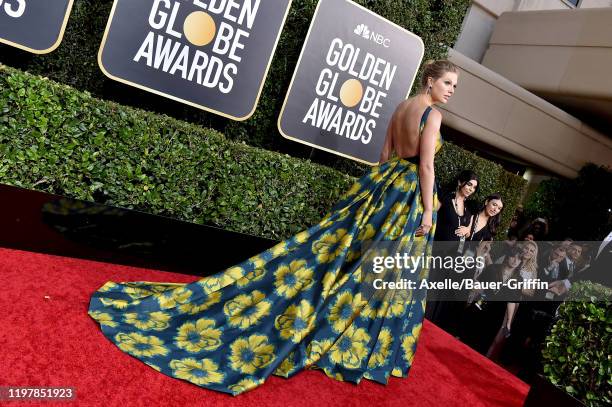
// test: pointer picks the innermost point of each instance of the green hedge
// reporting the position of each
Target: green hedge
(437, 22)
(59, 140)
(578, 350)
(56, 139)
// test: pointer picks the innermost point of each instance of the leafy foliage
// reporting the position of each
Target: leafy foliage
(56, 139)
(577, 351)
(59, 140)
(579, 208)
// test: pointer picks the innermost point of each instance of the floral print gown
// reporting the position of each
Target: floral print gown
(307, 302)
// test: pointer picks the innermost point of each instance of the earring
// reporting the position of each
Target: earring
(429, 90)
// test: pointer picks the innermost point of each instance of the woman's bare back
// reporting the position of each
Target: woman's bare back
(405, 124)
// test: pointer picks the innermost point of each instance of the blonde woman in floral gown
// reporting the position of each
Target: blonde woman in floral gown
(307, 302)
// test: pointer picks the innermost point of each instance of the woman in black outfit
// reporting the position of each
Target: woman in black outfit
(492, 313)
(453, 214)
(482, 227)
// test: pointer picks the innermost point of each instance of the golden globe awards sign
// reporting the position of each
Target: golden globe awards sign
(354, 69)
(211, 54)
(34, 25)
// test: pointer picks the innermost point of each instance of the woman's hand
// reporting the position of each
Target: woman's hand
(426, 223)
(462, 231)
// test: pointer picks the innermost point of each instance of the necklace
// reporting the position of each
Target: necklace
(461, 238)
(454, 200)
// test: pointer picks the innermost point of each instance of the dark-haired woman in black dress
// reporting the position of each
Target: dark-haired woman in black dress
(452, 215)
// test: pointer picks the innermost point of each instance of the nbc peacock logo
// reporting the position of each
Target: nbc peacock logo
(362, 30)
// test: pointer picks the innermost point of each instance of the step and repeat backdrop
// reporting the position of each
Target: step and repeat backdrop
(352, 73)
(34, 25)
(355, 67)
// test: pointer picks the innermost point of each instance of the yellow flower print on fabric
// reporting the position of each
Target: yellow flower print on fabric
(200, 372)
(108, 286)
(196, 306)
(404, 185)
(141, 345)
(293, 278)
(331, 245)
(367, 233)
(223, 279)
(302, 237)
(395, 222)
(279, 249)
(397, 372)
(352, 255)
(332, 282)
(199, 336)
(286, 367)
(103, 318)
(172, 298)
(329, 285)
(251, 277)
(154, 366)
(350, 350)
(409, 343)
(296, 322)
(327, 221)
(398, 305)
(157, 320)
(250, 354)
(375, 309)
(376, 174)
(381, 349)
(246, 309)
(116, 303)
(258, 261)
(344, 309)
(137, 292)
(316, 349)
(245, 385)
(353, 190)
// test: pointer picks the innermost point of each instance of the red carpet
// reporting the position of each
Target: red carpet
(47, 339)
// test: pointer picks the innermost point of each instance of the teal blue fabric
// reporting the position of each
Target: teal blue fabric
(307, 302)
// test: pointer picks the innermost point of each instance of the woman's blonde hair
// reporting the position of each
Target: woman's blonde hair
(435, 70)
(531, 265)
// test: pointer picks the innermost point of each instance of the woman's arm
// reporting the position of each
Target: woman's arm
(388, 146)
(465, 230)
(511, 308)
(426, 168)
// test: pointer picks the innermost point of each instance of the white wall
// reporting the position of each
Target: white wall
(482, 15)
(595, 3)
(543, 5)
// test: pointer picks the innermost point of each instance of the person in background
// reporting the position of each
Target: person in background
(599, 271)
(550, 265)
(483, 225)
(528, 237)
(492, 313)
(452, 214)
(571, 263)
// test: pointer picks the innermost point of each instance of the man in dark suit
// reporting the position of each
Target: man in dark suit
(600, 270)
(569, 266)
(550, 265)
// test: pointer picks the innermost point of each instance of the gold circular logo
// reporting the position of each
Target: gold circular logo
(199, 28)
(351, 92)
